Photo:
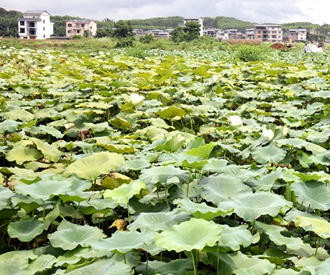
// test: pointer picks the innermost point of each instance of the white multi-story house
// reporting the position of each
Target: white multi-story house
(249, 34)
(35, 24)
(197, 20)
(80, 27)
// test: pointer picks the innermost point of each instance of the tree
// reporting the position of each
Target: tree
(187, 33)
(192, 30)
(123, 29)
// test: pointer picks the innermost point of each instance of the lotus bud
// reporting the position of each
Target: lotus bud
(235, 121)
(269, 134)
(136, 99)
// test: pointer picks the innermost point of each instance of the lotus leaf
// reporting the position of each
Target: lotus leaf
(123, 193)
(201, 210)
(320, 227)
(163, 174)
(103, 267)
(251, 206)
(189, 235)
(241, 264)
(25, 230)
(124, 241)
(93, 166)
(312, 194)
(68, 235)
(158, 221)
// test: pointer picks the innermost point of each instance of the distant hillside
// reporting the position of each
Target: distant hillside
(220, 22)
(8, 23)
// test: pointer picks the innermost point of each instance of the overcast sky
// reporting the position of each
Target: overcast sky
(257, 11)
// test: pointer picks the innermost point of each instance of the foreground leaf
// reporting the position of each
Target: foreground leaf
(25, 230)
(68, 235)
(189, 235)
(93, 166)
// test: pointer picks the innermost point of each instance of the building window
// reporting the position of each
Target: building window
(21, 23)
(44, 28)
(78, 31)
(82, 25)
(21, 30)
(69, 25)
(69, 31)
(44, 36)
(43, 21)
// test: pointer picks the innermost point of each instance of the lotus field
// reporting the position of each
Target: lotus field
(184, 162)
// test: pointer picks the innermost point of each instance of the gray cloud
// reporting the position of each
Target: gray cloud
(258, 11)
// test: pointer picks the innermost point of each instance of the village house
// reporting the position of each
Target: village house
(160, 33)
(84, 27)
(35, 24)
(268, 33)
(249, 34)
(297, 35)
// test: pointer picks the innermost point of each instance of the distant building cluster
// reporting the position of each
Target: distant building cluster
(36, 24)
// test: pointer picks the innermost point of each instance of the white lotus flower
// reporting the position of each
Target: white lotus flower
(235, 121)
(136, 99)
(269, 134)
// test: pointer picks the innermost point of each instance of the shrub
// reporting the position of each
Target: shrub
(147, 39)
(248, 53)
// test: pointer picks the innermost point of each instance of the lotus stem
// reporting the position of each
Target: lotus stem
(193, 261)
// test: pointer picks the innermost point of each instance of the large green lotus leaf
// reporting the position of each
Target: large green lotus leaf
(171, 112)
(21, 153)
(240, 264)
(158, 221)
(319, 227)
(270, 153)
(117, 148)
(16, 262)
(104, 266)
(5, 197)
(41, 263)
(277, 237)
(45, 188)
(163, 174)
(213, 165)
(221, 187)
(8, 126)
(232, 238)
(323, 268)
(202, 151)
(50, 152)
(124, 241)
(19, 115)
(312, 194)
(68, 235)
(23, 173)
(251, 206)
(123, 193)
(174, 267)
(299, 143)
(25, 230)
(201, 210)
(189, 235)
(136, 164)
(265, 183)
(319, 137)
(93, 166)
(172, 143)
(50, 131)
